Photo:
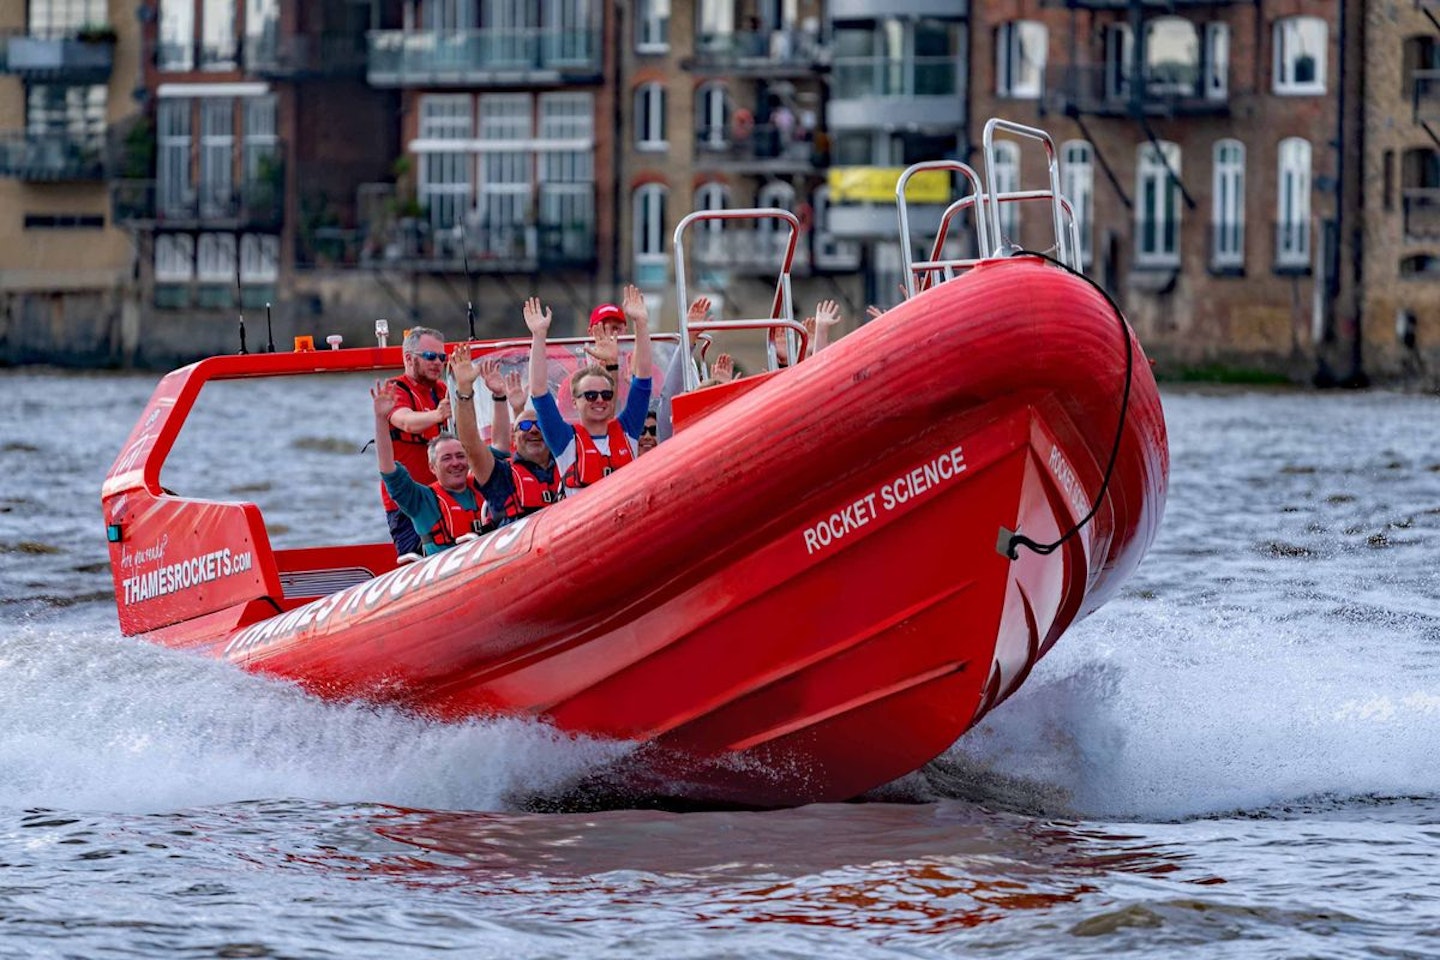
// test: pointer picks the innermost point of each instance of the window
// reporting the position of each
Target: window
(504, 210)
(650, 236)
(174, 189)
(174, 258)
(715, 25)
(1119, 60)
(712, 116)
(1172, 57)
(567, 175)
(1227, 208)
(1300, 55)
(217, 35)
(217, 157)
(215, 258)
(770, 235)
(1020, 48)
(443, 185)
(709, 237)
(1077, 183)
(830, 252)
(62, 112)
(1217, 61)
(568, 38)
(652, 26)
(261, 142)
(259, 258)
(53, 19)
(176, 47)
(650, 117)
(1157, 207)
(1420, 266)
(1292, 239)
(1007, 180)
(1419, 61)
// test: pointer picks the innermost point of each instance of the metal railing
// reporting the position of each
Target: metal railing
(51, 157)
(415, 57)
(1165, 89)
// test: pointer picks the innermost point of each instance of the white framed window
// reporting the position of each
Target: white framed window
(215, 258)
(217, 156)
(831, 253)
(1227, 205)
(450, 15)
(710, 237)
(1007, 180)
(174, 258)
(712, 115)
(715, 24)
(504, 210)
(1172, 57)
(770, 235)
(259, 258)
(260, 137)
(1157, 206)
(1217, 61)
(567, 175)
(649, 219)
(568, 38)
(444, 176)
(175, 188)
(1292, 226)
(176, 48)
(1020, 48)
(1300, 55)
(1077, 183)
(652, 26)
(218, 45)
(650, 117)
(1119, 60)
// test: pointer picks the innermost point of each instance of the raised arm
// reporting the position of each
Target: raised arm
(639, 314)
(515, 391)
(494, 382)
(538, 320)
(383, 398)
(465, 371)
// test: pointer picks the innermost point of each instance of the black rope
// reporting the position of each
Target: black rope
(1018, 540)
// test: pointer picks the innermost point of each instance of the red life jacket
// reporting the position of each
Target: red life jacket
(530, 492)
(413, 449)
(590, 464)
(455, 520)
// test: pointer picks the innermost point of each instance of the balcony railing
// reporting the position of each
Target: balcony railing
(400, 58)
(764, 146)
(413, 244)
(1168, 90)
(73, 57)
(856, 77)
(40, 158)
(1160, 5)
(253, 205)
(1422, 213)
(753, 251)
(301, 55)
(764, 52)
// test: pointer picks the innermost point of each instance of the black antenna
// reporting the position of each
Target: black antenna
(269, 333)
(469, 285)
(240, 304)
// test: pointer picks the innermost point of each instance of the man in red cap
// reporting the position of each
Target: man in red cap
(611, 316)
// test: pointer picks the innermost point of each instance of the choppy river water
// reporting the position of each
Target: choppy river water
(1234, 758)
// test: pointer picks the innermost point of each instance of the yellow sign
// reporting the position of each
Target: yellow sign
(877, 185)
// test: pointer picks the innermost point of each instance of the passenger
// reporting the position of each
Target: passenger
(723, 369)
(780, 346)
(420, 410)
(599, 443)
(673, 382)
(446, 509)
(649, 434)
(512, 486)
(827, 315)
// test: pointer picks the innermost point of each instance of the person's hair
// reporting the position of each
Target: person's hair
(591, 371)
(412, 339)
(515, 424)
(435, 441)
(652, 414)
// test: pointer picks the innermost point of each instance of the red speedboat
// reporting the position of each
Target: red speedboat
(849, 560)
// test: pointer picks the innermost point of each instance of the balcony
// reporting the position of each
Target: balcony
(50, 158)
(82, 57)
(880, 9)
(882, 93)
(413, 244)
(754, 251)
(765, 53)
(305, 56)
(1161, 5)
(1422, 213)
(761, 149)
(256, 205)
(426, 58)
(1166, 91)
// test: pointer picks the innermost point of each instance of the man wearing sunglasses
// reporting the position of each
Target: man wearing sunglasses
(599, 443)
(649, 434)
(513, 484)
(421, 410)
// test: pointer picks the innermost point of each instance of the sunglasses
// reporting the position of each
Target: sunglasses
(431, 355)
(593, 395)
(649, 431)
(525, 426)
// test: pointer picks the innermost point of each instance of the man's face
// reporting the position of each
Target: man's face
(447, 461)
(596, 406)
(527, 441)
(426, 363)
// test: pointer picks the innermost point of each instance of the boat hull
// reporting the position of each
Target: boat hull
(804, 593)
